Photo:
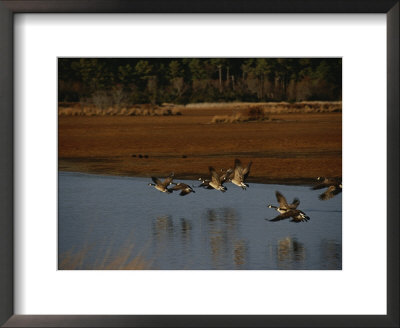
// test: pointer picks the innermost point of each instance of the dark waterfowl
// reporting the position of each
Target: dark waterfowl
(216, 182)
(331, 192)
(162, 185)
(283, 204)
(226, 175)
(324, 182)
(240, 174)
(205, 183)
(288, 210)
(334, 186)
(185, 189)
(296, 215)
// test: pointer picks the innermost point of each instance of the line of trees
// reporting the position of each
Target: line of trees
(125, 81)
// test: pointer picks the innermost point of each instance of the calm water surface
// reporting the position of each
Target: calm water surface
(108, 216)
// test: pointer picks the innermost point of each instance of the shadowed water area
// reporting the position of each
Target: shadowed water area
(108, 222)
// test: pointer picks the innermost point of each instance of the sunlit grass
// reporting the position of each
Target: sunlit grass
(76, 109)
(246, 112)
(121, 260)
(275, 107)
(239, 111)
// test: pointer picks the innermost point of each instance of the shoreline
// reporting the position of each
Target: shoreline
(290, 149)
(194, 177)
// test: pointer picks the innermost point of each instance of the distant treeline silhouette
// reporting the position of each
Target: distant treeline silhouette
(119, 82)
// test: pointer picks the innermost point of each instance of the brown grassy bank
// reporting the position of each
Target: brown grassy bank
(292, 147)
(276, 107)
(76, 109)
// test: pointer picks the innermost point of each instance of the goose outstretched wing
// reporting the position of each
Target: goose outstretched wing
(295, 203)
(168, 180)
(238, 175)
(281, 200)
(246, 171)
(185, 192)
(156, 181)
(299, 216)
(282, 216)
(226, 175)
(214, 176)
(179, 186)
(296, 215)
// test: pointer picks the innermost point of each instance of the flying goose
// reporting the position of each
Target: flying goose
(332, 191)
(240, 174)
(185, 189)
(225, 176)
(283, 204)
(296, 215)
(334, 186)
(205, 183)
(216, 182)
(288, 210)
(162, 186)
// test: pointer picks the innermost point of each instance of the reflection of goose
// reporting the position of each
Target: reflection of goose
(290, 250)
(334, 186)
(162, 225)
(239, 251)
(288, 210)
(185, 189)
(216, 182)
(240, 174)
(162, 186)
(185, 226)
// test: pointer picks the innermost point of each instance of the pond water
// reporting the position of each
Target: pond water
(108, 222)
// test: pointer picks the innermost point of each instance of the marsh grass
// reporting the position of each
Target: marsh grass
(104, 109)
(275, 107)
(238, 112)
(121, 260)
(247, 112)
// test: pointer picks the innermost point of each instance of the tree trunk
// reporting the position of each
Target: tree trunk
(220, 77)
(262, 87)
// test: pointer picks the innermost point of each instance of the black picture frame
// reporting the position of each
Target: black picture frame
(7, 10)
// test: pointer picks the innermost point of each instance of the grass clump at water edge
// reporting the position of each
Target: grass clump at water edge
(121, 260)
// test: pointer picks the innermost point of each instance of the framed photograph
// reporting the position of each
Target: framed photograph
(226, 135)
(173, 164)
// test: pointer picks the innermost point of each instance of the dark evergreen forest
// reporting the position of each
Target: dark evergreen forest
(127, 81)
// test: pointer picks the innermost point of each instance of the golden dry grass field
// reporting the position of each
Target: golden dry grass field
(287, 147)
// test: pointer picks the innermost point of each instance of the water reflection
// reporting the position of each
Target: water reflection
(186, 226)
(331, 255)
(185, 231)
(227, 249)
(163, 225)
(174, 233)
(240, 250)
(291, 254)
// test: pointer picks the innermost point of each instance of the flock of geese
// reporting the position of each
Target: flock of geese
(238, 176)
